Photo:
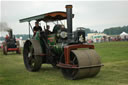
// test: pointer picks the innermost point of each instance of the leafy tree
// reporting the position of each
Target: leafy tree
(116, 30)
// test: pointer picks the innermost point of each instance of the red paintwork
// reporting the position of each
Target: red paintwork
(13, 49)
(42, 55)
(62, 65)
(68, 48)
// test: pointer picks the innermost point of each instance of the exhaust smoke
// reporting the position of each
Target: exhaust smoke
(4, 27)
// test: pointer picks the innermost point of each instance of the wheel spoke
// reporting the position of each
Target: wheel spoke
(74, 60)
(30, 56)
(73, 72)
(32, 62)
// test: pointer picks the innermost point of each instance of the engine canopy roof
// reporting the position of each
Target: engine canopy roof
(47, 17)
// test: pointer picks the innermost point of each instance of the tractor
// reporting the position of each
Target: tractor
(63, 48)
(10, 44)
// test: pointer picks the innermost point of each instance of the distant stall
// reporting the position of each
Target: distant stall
(97, 37)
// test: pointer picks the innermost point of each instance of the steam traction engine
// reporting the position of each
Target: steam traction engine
(62, 48)
(10, 44)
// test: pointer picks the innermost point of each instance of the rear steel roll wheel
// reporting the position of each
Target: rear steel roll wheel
(32, 62)
(70, 73)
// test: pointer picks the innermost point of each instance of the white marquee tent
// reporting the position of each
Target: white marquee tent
(123, 35)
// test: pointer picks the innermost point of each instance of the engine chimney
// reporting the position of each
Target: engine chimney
(10, 33)
(69, 21)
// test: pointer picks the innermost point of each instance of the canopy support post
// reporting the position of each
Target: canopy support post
(30, 27)
(46, 25)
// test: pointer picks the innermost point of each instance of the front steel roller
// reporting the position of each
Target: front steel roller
(31, 52)
(87, 61)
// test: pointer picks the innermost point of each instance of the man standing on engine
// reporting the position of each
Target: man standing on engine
(47, 30)
(37, 28)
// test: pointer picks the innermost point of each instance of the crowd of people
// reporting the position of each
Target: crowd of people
(107, 39)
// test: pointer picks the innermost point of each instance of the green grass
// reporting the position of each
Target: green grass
(114, 56)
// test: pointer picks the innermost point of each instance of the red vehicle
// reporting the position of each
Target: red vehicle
(10, 44)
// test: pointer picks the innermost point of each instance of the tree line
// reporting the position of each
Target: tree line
(116, 30)
(109, 31)
(88, 30)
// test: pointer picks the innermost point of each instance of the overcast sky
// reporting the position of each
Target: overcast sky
(96, 15)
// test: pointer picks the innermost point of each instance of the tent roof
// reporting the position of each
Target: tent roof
(123, 33)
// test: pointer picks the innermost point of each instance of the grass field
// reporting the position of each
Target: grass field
(114, 56)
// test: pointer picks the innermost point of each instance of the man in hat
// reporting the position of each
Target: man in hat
(37, 28)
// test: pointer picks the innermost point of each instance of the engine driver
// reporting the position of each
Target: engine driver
(47, 30)
(37, 28)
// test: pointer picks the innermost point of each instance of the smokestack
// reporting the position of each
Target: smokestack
(10, 33)
(69, 20)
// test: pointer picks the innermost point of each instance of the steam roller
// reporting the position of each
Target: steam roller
(10, 44)
(62, 48)
(86, 64)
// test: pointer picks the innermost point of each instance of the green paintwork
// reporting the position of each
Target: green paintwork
(37, 36)
(97, 36)
(58, 48)
(51, 39)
